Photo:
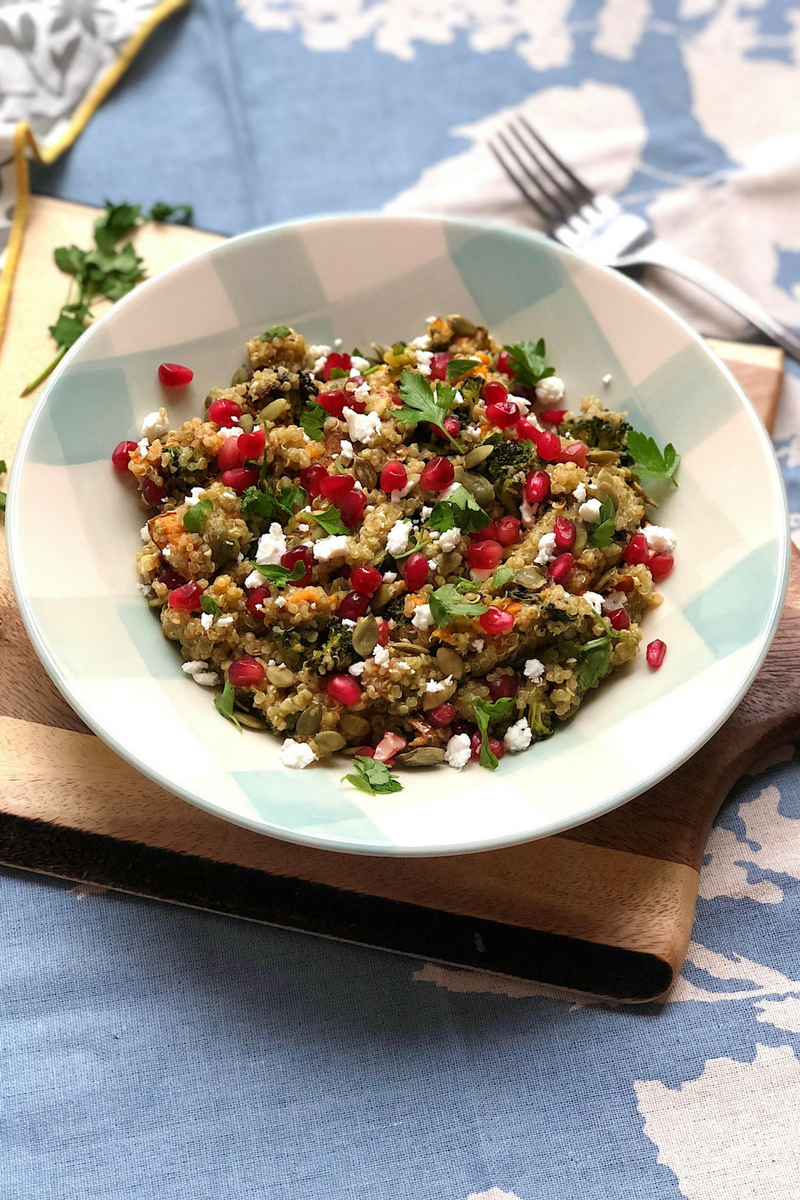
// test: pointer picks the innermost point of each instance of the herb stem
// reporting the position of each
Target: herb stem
(51, 366)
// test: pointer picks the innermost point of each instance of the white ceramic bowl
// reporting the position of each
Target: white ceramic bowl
(74, 528)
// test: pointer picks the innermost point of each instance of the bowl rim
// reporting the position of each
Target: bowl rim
(283, 833)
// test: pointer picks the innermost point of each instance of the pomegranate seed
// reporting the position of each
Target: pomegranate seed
(564, 531)
(655, 653)
(661, 565)
(637, 550)
(246, 671)
(336, 487)
(352, 507)
(342, 361)
(439, 365)
(451, 427)
(394, 477)
(508, 531)
(344, 689)
(353, 606)
(495, 393)
(357, 405)
(487, 534)
(497, 748)
(186, 597)
(121, 455)
(154, 493)
(170, 578)
(553, 416)
(301, 554)
(504, 366)
(334, 402)
(506, 685)
(442, 715)
(461, 726)
(503, 415)
(484, 556)
(311, 478)
(562, 567)
(619, 619)
(437, 475)
(252, 445)
(389, 745)
(174, 375)
(496, 620)
(231, 454)
(255, 601)
(576, 452)
(548, 446)
(365, 752)
(383, 633)
(415, 571)
(239, 478)
(222, 412)
(366, 580)
(526, 431)
(537, 487)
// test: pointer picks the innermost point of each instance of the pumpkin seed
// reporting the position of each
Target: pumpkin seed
(365, 473)
(378, 350)
(213, 395)
(309, 721)
(250, 722)
(329, 741)
(383, 595)
(581, 538)
(603, 458)
(341, 585)
(280, 677)
(529, 577)
(223, 550)
(479, 488)
(449, 662)
(448, 563)
(354, 726)
(246, 423)
(365, 635)
(478, 455)
(461, 326)
(434, 699)
(605, 489)
(421, 756)
(240, 375)
(273, 410)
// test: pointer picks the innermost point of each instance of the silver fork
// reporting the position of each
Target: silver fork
(599, 229)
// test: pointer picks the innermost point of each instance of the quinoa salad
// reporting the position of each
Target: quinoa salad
(422, 554)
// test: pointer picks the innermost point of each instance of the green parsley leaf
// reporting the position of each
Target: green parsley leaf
(594, 659)
(486, 711)
(209, 605)
(70, 259)
(223, 703)
(461, 509)
(275, 331)
(338, 373)
(178, 214)
(278, 575)
(421, 403)
(421, 542)
(293, 497)
(3, 467)
(442, 516)
(373, 777)
(459, 366)
(603, 533)
(649, 461)
(446, 603)
(117, 221)
(66, 330)
(331, 521)
(528, 362)
(501, 577)
(195, 517)
(312, 420)
(267, 505)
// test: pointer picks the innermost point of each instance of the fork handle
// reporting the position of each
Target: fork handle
(659, 254)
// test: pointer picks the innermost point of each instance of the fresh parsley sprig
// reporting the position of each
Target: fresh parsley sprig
(459, 366)
(276, 331)
(501, 577)
(594, 657)
(528, 362)
(461, 509)
(209, 605)
(196, 516)
(269, 504)
(373, 777)
(603, 533)
(278, 575)
(422, 403)
(422, 540)
(485, 712)
(649, 461)
(312, 421)
(447, 602)
(331, 521)
(224, 704)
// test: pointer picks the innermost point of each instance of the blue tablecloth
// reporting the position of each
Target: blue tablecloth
(153, 1051)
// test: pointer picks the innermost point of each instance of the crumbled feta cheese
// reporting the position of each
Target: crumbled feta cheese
(580, 493)
(240, 557)
(397, 540)
(359, 364)
(145, 533)
(423, 342)
(145, 588)
(296, 754)
(201, 674)
(155, 425)
(381, 655)
(660, 539)
(526, 512)
(402, 665)
(430, 320)
(346, 621)
(226, 431)
(426, 512)
(595, 600)
(329, 547)
(450, 539)
(319, 364)
(478, 645)
(422, 618)
(433, 563)
(522, 404)
(143, 446)
(362, 427)
(223, 622)
(303, 527)
(614, 600)
(192, 499)
(254, 580)
(533, 670)
(518, 737)
(319, 351)
(438, 685)
(357, 668)
(448, 491)
(480, 575)
(346, 449)
(362, 391)
(207, 620)
(229, 496)
(606, 380)
(280, 602)
(547, 549)
(590, 511)
(337, 342)
(550, 389)
(459, 751)
(389, 576)
(167, 552)
(271, 546)
(423, 363)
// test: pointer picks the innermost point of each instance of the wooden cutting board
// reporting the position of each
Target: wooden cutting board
(606, 908)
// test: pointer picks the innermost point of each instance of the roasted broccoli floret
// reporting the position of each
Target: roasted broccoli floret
(598, 433)
(470, 388)
(334, 650)
(540, 716)
(507, 466)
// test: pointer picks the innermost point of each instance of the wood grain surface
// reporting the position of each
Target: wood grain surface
(606, 908)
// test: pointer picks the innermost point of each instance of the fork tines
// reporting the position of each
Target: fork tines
(544, 179)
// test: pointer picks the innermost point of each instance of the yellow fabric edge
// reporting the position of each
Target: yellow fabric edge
(23, 137)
